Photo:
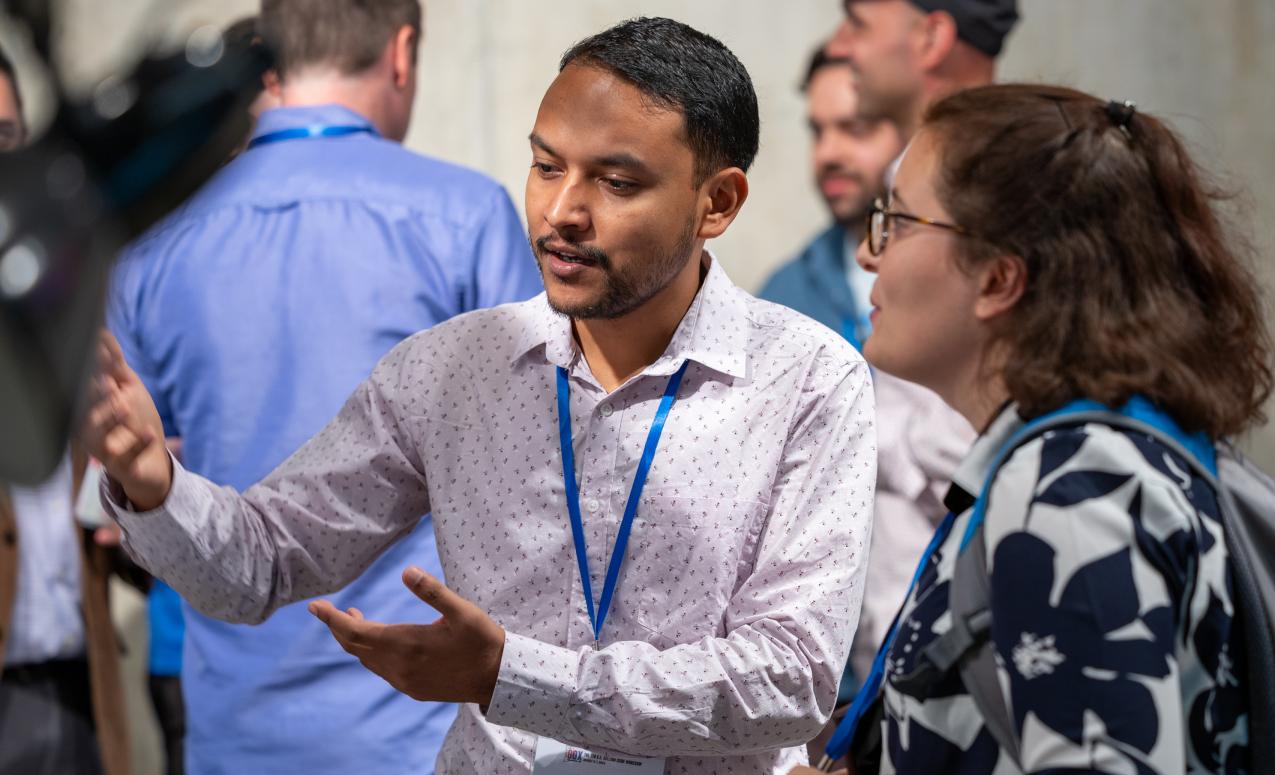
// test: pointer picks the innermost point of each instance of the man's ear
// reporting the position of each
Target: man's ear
(938, 38)
(723, 194)
(1002, 283)
(403, 55)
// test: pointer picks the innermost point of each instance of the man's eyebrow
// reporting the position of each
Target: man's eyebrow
(621, 159)
(539, 142)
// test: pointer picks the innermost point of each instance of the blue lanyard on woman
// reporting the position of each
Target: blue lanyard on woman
(839, 745)
(307, 132)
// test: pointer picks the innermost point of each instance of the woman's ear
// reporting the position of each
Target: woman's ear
(1002, 282)
(724, 194)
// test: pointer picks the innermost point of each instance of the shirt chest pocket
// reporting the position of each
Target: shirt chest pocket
(685, 559)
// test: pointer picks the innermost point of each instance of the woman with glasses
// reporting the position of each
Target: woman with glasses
(1041, 246)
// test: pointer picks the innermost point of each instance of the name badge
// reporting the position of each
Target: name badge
(554, 758)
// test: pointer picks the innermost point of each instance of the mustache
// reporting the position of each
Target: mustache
(593, 254)
(840, 172)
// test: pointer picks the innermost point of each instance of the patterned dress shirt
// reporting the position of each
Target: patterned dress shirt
(1111, 616)
(743, 578)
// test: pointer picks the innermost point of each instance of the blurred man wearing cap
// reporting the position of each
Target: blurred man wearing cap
(906, 55)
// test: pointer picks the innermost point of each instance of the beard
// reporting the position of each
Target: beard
(882, 100)
(624, 290)
(848, 210)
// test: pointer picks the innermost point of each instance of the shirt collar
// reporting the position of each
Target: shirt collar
(973, 470)
(711, 332)
(278, 119)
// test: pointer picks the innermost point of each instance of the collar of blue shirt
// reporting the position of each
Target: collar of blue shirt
(717, 308)
(279, 119)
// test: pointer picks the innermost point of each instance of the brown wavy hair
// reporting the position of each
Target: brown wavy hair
(1135, 285)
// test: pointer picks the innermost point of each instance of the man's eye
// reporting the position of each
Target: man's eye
(619, 186)
(543, 168)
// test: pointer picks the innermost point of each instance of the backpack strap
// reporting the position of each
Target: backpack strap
(969, 597)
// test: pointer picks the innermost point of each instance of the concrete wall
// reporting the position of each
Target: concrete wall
(1200, 63)
(485, 64)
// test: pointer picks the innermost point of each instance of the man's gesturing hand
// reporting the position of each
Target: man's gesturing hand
(455, 659)
(123, 430)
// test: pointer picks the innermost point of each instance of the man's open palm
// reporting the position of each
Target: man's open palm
(455, 659)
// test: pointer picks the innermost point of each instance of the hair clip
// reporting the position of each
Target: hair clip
(1121, 115)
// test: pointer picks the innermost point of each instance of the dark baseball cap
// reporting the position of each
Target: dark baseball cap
(984, 24)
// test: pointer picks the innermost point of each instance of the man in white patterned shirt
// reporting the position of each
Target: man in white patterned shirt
(643, 395)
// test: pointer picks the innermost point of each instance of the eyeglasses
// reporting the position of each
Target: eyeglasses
(879, 226)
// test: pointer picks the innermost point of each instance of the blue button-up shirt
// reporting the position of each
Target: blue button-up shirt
(251, 314)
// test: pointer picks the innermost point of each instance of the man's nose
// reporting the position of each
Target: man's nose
(841, 44)
(568, 211)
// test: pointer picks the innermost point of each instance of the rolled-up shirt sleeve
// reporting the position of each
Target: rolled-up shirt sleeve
(311, 527)
(771, 681)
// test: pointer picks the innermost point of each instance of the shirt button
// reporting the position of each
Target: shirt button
(593, 505)
(606, 410)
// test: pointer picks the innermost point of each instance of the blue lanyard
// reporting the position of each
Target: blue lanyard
(839, 745)
(307, 132)
(598, 617)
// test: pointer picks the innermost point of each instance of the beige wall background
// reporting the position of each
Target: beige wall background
(1200, 63)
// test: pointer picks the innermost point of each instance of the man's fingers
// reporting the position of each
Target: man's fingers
(114, 363)
(435, 593)
(121, 446)
(99, 421)
(354, 635)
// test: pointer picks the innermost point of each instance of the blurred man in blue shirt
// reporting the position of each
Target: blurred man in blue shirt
(256, 309)
(850, 154)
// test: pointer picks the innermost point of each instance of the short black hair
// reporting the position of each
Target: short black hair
(6, 69)
(681, 68)
(818, 61)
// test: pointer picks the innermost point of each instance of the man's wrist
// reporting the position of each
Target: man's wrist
(491, 673)
(143, 498)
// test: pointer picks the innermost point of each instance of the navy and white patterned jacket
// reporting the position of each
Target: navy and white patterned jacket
(1112, 616)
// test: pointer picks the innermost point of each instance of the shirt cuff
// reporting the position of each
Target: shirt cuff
(148, 535)
(535, 689)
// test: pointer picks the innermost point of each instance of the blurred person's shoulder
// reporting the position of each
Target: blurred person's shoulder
(364, 171)
(780, 332)
(371, 174)
(485, 340)
(430, 183)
